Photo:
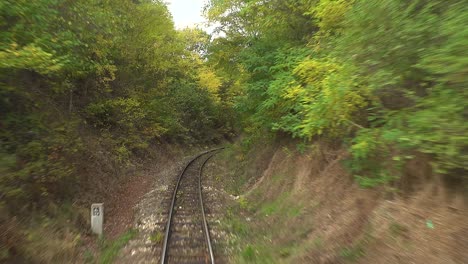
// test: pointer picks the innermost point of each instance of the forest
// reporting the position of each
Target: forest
(88, 88)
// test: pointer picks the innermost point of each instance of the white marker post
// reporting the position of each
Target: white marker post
(97, 218)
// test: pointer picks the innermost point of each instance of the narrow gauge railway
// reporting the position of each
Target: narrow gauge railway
(187, 237)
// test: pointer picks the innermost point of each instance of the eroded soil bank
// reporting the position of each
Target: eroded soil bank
(304, 207)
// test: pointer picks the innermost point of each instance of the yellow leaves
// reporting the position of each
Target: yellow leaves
(154, 130)
(311, 71)
(29, 57)
(360, 147)
(326, 94)
(293, 92)
(106, 73)
(207, 79)
(330, 14)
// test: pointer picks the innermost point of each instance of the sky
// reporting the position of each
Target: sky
(186, 13)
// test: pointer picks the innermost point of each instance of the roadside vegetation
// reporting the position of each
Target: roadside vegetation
(384, 81)
(110, 248)
(89, 87)
(385, 78)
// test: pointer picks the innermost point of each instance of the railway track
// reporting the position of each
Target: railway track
(187, 237)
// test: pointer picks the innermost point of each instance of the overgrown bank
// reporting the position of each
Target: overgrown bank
(384, 84)
(302, 206)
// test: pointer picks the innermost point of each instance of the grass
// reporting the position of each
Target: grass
(49, 237)
(248, 254)
(281, 206)
(294, 211)
(244, 203)
(357, 250)
(237, 226)
(274, 206)
(111, 249)
(258, 253)
(156, 237)
(352, 253)
(397, 230)
(235, 179)
(318, 242)
(269, 238)
(88, 256)
(264, 224)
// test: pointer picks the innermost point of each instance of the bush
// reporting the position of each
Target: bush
(388, 75)
(410, 55)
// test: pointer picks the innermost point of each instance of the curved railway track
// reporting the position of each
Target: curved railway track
(187, 238)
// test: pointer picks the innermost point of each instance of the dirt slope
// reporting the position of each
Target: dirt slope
(305, 208)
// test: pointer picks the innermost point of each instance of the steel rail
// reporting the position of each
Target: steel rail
(205, 225)
(171, 209)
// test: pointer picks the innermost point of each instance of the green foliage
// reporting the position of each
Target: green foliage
(327, 97)
(48, 237)
(290, 87)
(157, 237)
(371, 158)
(385, 76)
(248, 254)
(419, 103)
(236, 222)
(40, 167)
(135, 122)
(330, 15)
(29, 57)
(244, 203)
(78, 78)
(111, 249)
(439, 128)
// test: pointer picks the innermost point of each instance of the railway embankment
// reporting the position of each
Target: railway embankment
(302, 206)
